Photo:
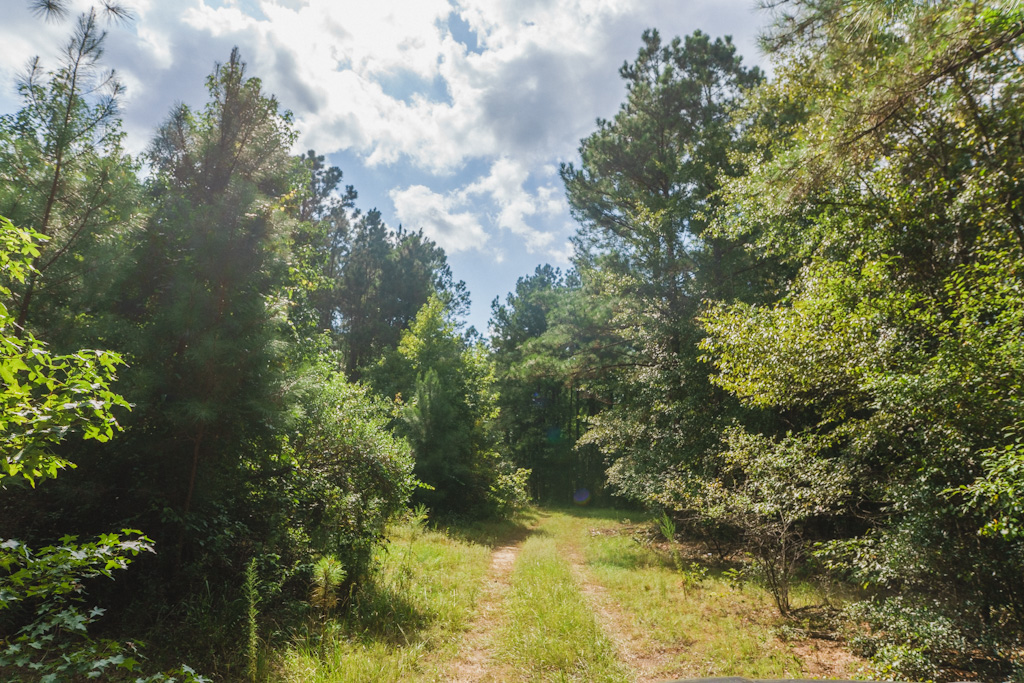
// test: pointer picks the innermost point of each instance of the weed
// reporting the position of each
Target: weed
(693, 575)
(667, 527)
(734, 576)
(418, 518)
(251, 590)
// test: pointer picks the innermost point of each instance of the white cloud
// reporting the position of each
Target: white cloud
(418, 207)
(501, 196)
(562, 254)
(504, 187)
(219, 21)
(414, 105)
(366, 75)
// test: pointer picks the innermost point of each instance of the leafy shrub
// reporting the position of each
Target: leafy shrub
(345, 476)
(48, 586)
(910, 639)
(509, 492)
(769, 489)
(45, 397)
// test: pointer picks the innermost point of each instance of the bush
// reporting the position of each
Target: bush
(910, 640)
(46, 588)
(345, 476)
(509, 492)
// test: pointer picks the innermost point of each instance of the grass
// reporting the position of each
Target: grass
(409, 622)
(710, 625)
(549, 632)
(699, 622)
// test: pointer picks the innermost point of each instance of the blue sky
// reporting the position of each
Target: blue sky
(447, 115)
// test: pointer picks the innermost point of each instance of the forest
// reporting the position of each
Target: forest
(791, 338)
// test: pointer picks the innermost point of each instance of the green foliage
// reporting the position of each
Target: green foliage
(910, 639)
(769, 490)
(644, 193)
(893, 187)
(509, 492)
(319, 242)
(534, 338)
(203, 312)
(64, 175)
(384, 281)
(45, 397)
(251, 590)
(417, 518)
(328, 575)
(47, 585)
(346, 475)
(48, 581)
(448, 414)
(667, 527)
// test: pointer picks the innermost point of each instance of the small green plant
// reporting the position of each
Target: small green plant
(694, 574)
(252, 599)
(418, 518)
(510, 491)
(734, 577)
(667, 527)
(328, 574)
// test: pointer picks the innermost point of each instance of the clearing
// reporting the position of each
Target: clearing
(563, 595)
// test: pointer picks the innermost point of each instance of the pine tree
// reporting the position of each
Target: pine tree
(206, 298)
(63, 174)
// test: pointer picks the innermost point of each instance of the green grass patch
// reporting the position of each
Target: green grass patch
(549, 632)
(407, 623)
(711, 626)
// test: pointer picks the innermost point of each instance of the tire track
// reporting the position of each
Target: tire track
(633, 649)
(475, 661)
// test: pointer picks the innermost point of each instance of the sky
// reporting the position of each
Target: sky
(450, 116)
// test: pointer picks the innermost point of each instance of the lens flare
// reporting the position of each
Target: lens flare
(581, 497)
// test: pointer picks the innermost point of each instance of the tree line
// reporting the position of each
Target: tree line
(281, 373)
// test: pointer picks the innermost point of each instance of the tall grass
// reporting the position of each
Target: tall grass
(406, 623)
(549, 632)
(409, 623)
(708, 625)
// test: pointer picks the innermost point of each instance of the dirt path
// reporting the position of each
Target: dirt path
(631, 647)
(650, 660)
(475, 661)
